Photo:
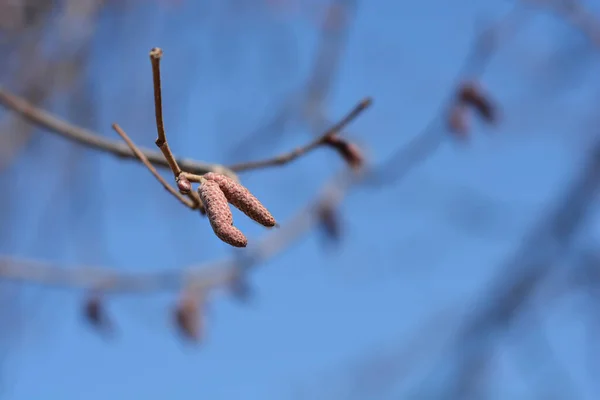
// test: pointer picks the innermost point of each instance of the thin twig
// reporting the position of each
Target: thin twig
(187, 202)
(161, 141)
(93, 140)
(109, 280)
(294, 154)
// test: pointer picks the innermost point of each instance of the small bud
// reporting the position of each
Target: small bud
(94, 313)
(366, 102)
(183, 184)
(219, 214)
(470, 93)
(241, 198)
(329, 221)
(156, 52)
(350, 152)
(188, 317)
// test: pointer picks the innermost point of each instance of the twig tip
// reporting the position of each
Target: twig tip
(156, 53)
(366, 102)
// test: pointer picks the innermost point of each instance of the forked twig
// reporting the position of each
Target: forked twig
(164, 158)
(142, 157)
(93, 140)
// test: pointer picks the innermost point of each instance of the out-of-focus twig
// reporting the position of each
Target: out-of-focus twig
(575, 13)
(28, 69)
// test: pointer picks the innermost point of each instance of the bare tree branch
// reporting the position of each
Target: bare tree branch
(95, 141)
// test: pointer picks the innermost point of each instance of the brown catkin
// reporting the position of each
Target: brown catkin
(470, 93)
(219, 214)
(188, 316)
(241, 198)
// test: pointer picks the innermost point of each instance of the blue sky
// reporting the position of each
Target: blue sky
(424, 246)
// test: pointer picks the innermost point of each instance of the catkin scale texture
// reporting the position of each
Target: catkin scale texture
(219, 215)
(242, 199)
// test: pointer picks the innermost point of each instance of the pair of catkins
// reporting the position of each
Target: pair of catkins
(216, 191)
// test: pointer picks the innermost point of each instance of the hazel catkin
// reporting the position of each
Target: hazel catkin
(219, 215)
(241, 198)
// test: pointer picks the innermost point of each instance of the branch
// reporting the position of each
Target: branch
(90, 139)
(93, 140)
(300, 151)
